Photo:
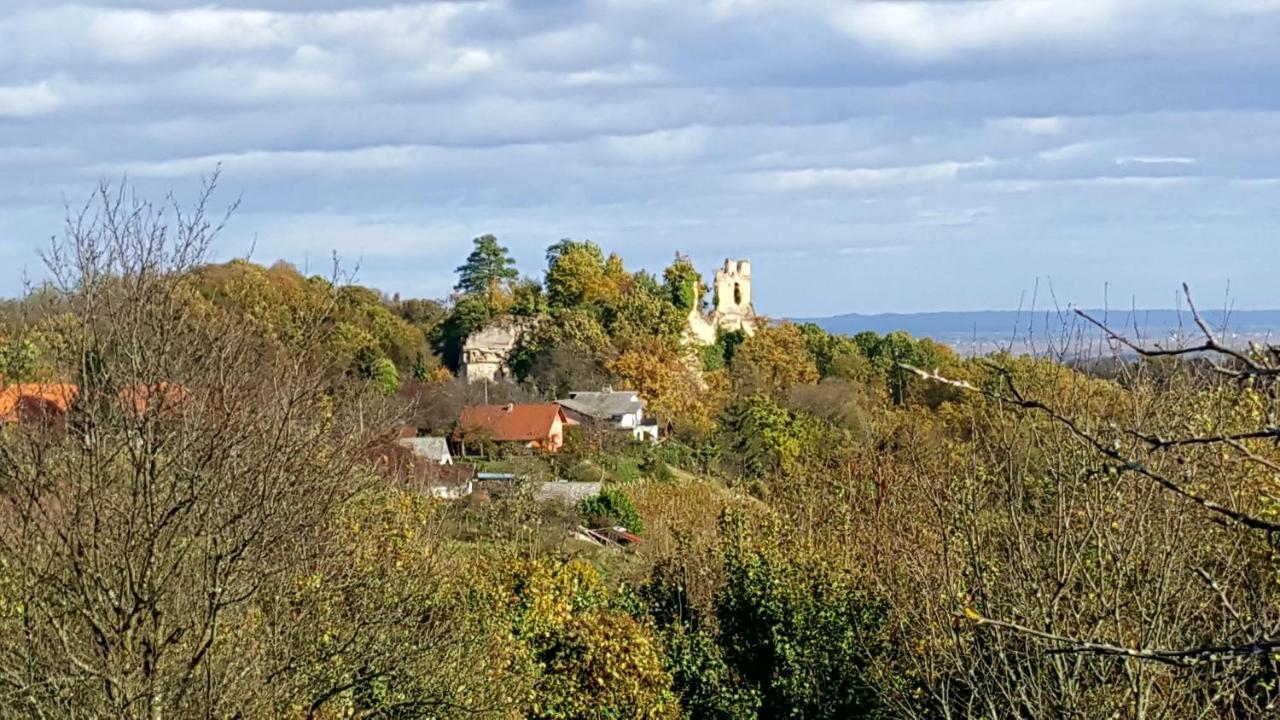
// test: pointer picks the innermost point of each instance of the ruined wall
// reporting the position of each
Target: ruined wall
(484, 355)
(732, 309)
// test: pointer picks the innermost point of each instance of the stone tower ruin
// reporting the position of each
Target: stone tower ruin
(732, 310)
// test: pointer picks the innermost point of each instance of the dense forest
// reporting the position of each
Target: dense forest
(833, 526)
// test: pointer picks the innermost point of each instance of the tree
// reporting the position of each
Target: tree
(684, 286)
(611, 506)
(773, 360)
(19, 360)
(198, 465)
(766, 439)
(1112, 540)
(392, 623)
(597, 661)
(796, 627)
(675, 394)
(487, 267)
(578, 274)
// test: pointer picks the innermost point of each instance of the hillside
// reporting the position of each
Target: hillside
(993, 328)
(209, 512)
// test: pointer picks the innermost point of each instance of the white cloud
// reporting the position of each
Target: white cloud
(1068, 152)
(940, 30)
(722, 126)
(1152, 160)
(663, 146)
(1029, 125)
(28, 101)
(140, 36)
(864, 178)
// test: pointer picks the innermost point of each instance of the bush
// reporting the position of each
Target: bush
(797, 629)
(611, 507)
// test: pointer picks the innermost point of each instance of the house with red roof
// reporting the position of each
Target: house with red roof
(36, 402)
(538, 426)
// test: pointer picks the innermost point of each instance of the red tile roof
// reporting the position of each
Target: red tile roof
(162, 397)
(51, 397)
(511, 423)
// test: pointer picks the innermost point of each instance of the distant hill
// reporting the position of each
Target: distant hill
(988, 327)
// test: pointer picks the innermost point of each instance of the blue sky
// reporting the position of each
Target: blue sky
(867, 156)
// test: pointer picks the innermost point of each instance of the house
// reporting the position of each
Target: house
(26, 402)
(401, 463)
(623, 410)
(539, 426)
(431, 449)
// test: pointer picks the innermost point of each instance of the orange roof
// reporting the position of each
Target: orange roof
(55, 396)
(510, 423)
(162, 396)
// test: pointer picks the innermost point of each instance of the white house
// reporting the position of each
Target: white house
(623, 410)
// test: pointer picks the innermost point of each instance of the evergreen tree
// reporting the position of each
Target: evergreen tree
(488, 264)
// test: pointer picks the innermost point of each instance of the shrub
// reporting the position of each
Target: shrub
(612, 506)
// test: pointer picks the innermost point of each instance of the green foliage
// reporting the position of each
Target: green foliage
(609, 507)
(683, 285)
(393, 623)
(384, 373)
(577, 274)
(765, 438)
(838, 356)
(595, 661)
(720, 354)
(639, 314)
(19, 360)
(469, 314)
(487, 267)
(772, 361)
(796, 629)
(527, 299)
(709, 688)
(281, 305)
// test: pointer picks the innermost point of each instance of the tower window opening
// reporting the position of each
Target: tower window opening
(737, 294)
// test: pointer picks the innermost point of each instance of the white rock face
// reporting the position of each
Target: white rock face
(484, 355)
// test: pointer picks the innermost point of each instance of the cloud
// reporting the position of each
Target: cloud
(1030, 125)
(1148, 160)
(932, 31)
(28, 101)
(865, 178)
(1025, 132)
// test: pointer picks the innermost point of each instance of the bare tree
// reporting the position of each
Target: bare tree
(198, 465)
(1108, 550)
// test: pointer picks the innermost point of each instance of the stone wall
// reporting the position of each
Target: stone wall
(484, 355)
(732, 310)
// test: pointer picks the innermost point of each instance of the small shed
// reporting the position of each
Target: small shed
(434, 449)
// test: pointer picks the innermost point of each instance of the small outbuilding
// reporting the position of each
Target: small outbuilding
(431, 449)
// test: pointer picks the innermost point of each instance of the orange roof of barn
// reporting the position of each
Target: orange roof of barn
(509, 423)
(58, 395)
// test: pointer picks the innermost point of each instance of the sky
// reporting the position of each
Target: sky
(867, 156)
